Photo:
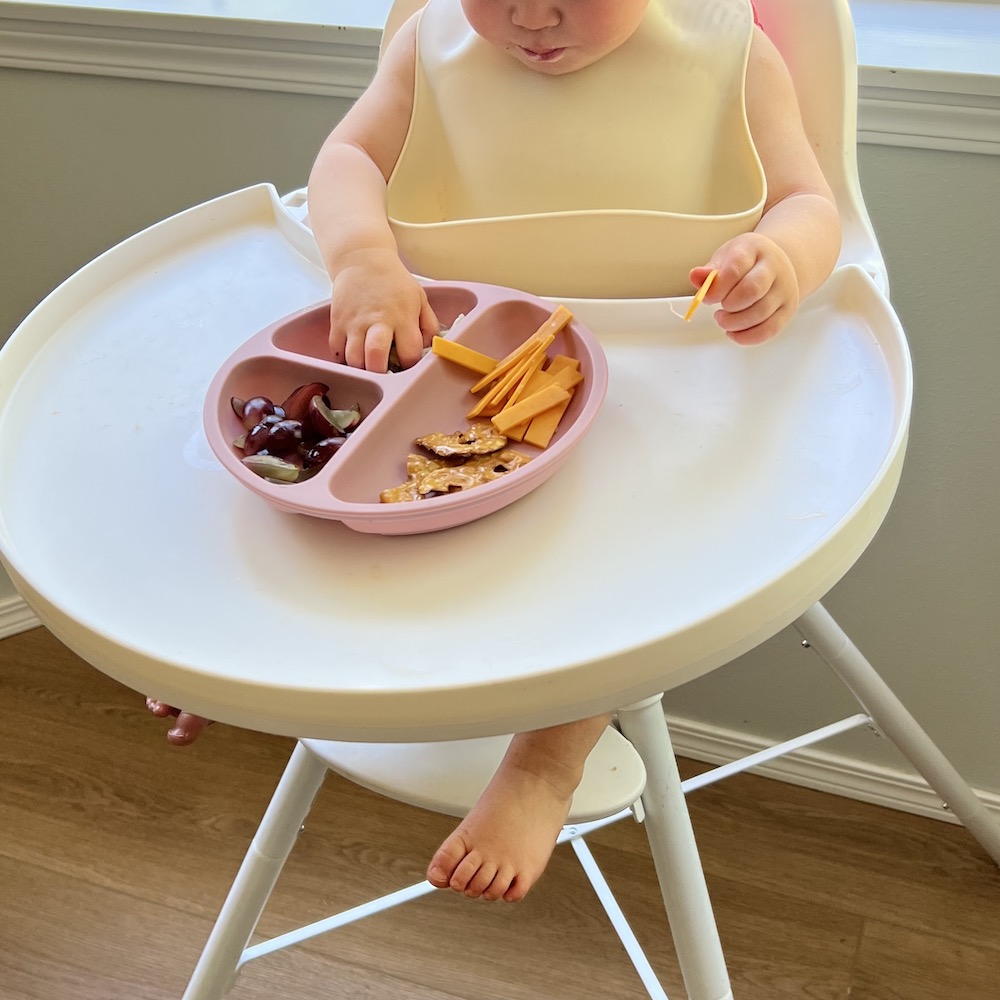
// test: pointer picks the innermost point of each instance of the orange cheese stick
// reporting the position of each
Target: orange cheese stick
(517, 432)
(493, 401)
(700, 294)
(565, 376)
(562, 361)
(462, 355)
(529, 407)
(559, 318)
(542, 427)
(538, 359)
(538, 381)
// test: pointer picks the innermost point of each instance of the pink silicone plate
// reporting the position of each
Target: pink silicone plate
(398, 407)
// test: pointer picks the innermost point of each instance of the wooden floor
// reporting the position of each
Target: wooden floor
(116, 852)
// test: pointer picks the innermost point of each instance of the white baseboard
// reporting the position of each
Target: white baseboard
(819, 770)
(16, 616)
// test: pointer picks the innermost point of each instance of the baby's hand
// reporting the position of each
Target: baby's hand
(376, 302)
(756, 287)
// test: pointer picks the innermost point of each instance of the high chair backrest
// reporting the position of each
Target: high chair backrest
(816, 40)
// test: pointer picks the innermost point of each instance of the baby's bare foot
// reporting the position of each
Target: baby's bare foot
(502, 847)
(187, 728)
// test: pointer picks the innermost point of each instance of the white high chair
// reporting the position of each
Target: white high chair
(695, 576)
(628, 774)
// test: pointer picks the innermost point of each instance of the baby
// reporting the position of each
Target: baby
(576, 148)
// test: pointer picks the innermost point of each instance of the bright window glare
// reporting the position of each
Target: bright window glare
(956, 36)
(944, 35)
(357, 13)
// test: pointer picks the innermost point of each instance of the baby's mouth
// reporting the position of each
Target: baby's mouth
(542, 55)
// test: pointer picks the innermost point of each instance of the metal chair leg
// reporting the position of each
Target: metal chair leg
(618, 921)
(675, 855)
(824, 635)
(216, 970)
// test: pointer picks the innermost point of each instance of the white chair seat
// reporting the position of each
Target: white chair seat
(448, 777)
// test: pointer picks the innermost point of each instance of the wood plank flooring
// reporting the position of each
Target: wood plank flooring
(116, 852)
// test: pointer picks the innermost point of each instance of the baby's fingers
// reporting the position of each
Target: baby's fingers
(371, 351)
(429, 325)
(413, 336)
(699, 275)
(733, 262)
(409, 344)
(338, 338)
(750, 292)
(755, 325)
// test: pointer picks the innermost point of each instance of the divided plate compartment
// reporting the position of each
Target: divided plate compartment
(398, 407)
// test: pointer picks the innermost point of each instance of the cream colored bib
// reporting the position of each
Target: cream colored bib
(612, 181)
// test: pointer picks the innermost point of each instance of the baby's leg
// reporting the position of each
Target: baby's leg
(502, 847)
(186, 729)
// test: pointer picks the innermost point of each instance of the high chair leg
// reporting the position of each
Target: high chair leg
(675, 855)
(216, 970)
(889, 715)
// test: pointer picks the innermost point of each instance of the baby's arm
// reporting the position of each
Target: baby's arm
(763, 275)
(375, 300)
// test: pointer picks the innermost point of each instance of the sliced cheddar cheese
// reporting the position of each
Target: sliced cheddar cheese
(493, 401)
(462, 355)
(566, 377)
(552, 325)
(561, 361)
(543, 426)
(529, 407)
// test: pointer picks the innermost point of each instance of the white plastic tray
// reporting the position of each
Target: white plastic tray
(719, 493)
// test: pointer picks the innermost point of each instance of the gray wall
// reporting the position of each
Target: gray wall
(88, 161)
(923, 602)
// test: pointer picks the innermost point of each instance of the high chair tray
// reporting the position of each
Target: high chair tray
(719, 492)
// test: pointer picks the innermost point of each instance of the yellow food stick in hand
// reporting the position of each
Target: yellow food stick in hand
(700, 294)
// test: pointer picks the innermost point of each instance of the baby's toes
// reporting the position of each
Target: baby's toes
(501, 883)
(517, 891)
(445, 861)
(160, 708)
(466, 871)
(187, 729)
(481, 880)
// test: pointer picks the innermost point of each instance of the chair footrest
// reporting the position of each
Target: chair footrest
(448, 777)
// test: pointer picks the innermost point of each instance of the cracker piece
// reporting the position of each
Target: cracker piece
(481, 438)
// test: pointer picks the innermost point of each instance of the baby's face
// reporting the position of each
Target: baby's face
(555, 38)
